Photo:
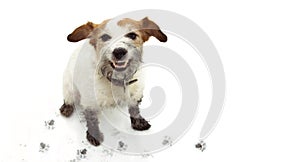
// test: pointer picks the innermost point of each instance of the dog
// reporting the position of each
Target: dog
(105, 72)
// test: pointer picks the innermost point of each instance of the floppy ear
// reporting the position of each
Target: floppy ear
(149, 28)
(81, 32)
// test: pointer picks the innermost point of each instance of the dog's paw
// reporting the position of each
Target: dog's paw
(139, 124)
(66, 110)
(94, 138)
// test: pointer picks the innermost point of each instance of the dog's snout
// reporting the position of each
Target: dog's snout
(119, 53)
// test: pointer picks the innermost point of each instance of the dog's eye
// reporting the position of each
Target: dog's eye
(105, 37)
(131, 35)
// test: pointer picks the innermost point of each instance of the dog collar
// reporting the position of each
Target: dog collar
(121, 83)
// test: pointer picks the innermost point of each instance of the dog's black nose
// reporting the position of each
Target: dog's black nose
(119, 53)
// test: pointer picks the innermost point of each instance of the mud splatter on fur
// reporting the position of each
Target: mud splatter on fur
(93, 134)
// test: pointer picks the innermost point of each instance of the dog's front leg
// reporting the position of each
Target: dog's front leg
(137, 121)
(93, 134)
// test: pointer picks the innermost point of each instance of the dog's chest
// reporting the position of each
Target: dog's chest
(108, 95)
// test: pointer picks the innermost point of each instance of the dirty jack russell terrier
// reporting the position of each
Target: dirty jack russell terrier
(104, 72)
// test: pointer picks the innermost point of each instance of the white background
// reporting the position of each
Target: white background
(257, 40)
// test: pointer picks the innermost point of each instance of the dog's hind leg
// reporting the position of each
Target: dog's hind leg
(93, 134)
(137, 121)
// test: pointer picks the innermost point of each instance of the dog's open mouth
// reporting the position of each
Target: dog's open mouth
(119, 65)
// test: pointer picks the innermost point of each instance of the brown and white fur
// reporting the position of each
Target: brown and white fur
(105, 72)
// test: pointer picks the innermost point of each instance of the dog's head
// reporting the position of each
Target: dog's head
(118, 44)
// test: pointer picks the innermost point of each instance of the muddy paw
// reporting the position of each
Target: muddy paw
(139, 124)
(66, 110)
(94, 138)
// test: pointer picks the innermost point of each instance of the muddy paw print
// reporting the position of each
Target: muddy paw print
(201, 146)
(81, 154)
(49, 124)
(167, 141)
(121, 146)
(44, 147)
(147, 155)
(22, 145)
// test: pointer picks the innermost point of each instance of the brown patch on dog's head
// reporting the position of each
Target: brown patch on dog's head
(84, 31)
(146, 28)
(129, 22)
